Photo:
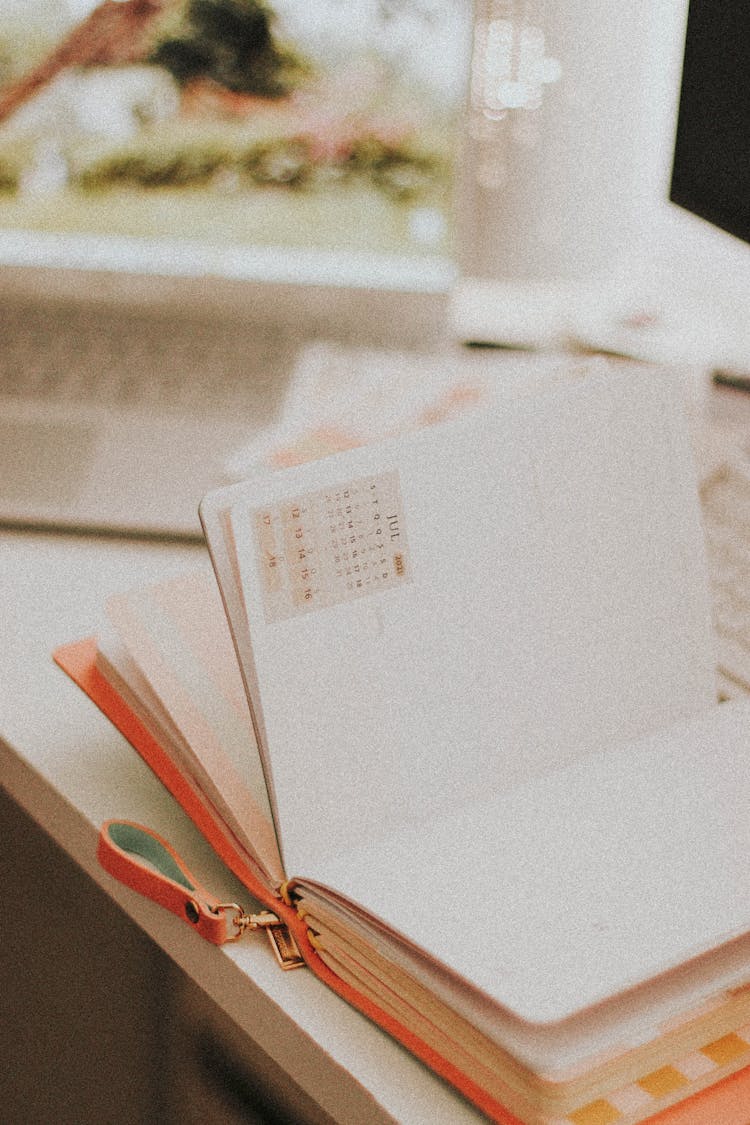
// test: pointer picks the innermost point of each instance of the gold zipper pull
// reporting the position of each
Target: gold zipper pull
(280, 937)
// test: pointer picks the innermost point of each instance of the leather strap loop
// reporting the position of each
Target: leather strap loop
(144, 861)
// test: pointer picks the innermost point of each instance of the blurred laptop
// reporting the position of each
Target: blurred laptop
(115, 420)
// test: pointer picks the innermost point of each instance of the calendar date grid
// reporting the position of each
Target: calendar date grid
(331, 546)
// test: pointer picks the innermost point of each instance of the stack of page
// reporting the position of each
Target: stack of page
(341, 396)
(456, 723)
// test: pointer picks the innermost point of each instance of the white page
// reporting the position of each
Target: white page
(554, 601)
(177, 636)
(214, 512)
(575, 887)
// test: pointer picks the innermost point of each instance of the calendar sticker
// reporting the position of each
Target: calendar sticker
(331, 546)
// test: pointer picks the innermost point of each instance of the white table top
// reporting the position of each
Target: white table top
(63, 762)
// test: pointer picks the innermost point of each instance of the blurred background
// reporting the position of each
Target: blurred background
(330, 125)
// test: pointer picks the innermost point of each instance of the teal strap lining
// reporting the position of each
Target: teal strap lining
(133, 840)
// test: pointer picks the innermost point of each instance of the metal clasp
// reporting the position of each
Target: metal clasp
(243, 922)
(280, 937)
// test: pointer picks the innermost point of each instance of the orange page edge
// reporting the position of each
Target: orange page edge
(727, 1101)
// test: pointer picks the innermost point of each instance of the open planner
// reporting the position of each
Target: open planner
(447, 707)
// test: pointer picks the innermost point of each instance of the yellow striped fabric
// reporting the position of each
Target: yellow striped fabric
(640, 1099)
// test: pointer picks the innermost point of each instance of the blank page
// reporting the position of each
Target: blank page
(535, 590)
(575, 887)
